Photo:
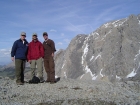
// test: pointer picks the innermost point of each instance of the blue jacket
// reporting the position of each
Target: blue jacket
(19, 50)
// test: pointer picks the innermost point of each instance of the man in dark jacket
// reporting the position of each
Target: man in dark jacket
(35, 57)
(19, 54)
(49, 48)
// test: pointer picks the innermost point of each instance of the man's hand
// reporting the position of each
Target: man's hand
(52, 54)
(29, 61)
(12, 58)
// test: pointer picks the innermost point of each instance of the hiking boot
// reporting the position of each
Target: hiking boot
(47, 81)
(20, 83)
(52, 82)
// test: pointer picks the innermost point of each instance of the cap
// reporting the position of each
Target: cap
(23, 33)
(45, 33)
(34, 34)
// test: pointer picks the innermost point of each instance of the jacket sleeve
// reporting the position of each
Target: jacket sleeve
(41, 50)
(14, 48)
(53, 46)
(29, 51)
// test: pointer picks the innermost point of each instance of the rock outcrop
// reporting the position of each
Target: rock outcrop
(110, 53)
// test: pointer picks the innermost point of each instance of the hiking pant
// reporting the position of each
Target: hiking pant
(50, 69)
(19, 68)
(39, 65)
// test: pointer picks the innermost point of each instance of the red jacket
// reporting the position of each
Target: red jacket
(35, 50)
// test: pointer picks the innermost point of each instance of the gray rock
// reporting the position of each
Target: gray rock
(111, 52)
(70, 92)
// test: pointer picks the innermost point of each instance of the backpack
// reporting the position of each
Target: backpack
(34, 80)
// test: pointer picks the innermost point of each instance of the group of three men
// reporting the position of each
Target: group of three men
(35, 53)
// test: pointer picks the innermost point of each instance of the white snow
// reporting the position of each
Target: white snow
(136, 56)
(63, 64)
(91, 58)
(115, 23)
(118, 77)
(92, 75)
(106, 35)
(99, 55)
(118, 22)
(65, 75)
(132, 74)
(103, 39)
(112, 57)
(106, 25)
(82, 76)
(86, 49)
(139, 21)
(96, 33)
(101, 73)
(96, 38)
(85, 53)
(87, 70)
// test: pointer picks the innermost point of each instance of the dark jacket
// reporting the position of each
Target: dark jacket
(49, 48)
(35, 50)
(19, 50)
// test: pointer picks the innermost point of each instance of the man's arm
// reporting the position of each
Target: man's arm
(13, 51)
(41, 50)
(29, 52)
(53, 47)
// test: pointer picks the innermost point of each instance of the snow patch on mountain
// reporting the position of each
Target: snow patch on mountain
(101, 73)
(110, 52)
(132, 74)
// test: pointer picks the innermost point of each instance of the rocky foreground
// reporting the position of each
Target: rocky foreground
(69, 92)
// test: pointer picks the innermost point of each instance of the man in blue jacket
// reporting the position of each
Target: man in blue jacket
(19, 54)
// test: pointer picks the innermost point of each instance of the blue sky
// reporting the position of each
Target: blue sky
(62, 19)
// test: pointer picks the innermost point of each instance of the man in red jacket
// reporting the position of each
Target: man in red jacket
(35, 57)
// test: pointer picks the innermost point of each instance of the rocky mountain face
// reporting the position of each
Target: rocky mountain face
(110, 53)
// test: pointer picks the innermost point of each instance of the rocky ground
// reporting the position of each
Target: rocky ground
(69, 92)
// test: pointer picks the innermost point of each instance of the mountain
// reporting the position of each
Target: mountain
(10, 65)
(1, 66)
(9, 70)
(110, 53)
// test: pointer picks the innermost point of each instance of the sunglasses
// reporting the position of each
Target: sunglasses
(23, 35)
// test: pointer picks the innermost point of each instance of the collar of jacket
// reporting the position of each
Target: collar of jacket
(24, 40)
(34, 41)
(46, 40)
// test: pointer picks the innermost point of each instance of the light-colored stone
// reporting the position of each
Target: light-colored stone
(69, 91)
